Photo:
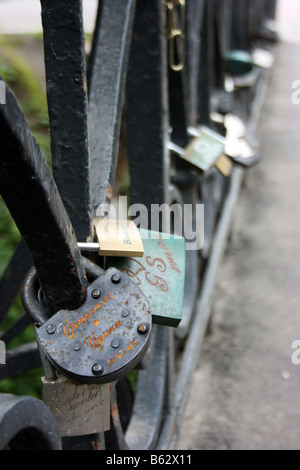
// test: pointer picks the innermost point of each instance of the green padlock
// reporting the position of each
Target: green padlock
(159, 274)
(238, 62)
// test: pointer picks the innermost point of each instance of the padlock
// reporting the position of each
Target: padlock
(241, 146)
(79, 409)
(160, 275)
(262, 58)
(207, 150)
(238, 62)
(234, 126)
(241, 62)
(102, 340)
(118, 238)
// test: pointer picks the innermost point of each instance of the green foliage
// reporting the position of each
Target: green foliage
(30, 95)
(28, 91)
(9, 236)
(25, 384)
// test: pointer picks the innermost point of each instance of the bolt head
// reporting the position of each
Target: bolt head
(96, 293)
(125, 312)
(97, 369)
(51, 329)
(115, 343)
(142, 329)
(116, 278)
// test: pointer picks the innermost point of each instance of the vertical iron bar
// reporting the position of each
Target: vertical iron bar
(106, 95)
(205, 75)
(64, 49)
(223, 12)
(147, 106)
(194, 21)
(240, 25)
(178, 107)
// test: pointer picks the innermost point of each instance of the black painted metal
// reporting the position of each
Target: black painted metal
(178, 88)
(32, 198)
(20, 359)
(114, 437)
(271, 9)
(260, 12)
(64, 48)
(15, 328)
(194, 46)
(150, 399)
(27, 424)
(33, 301)
(204, 67)
(147, 106)
(89, 442)
(13, 277)
(240, 25)
(107, 76)
(224, 20)
(178, 108)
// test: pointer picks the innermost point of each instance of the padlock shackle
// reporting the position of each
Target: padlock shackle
(32, 296)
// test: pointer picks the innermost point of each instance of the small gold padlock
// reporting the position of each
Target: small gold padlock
(118, 238)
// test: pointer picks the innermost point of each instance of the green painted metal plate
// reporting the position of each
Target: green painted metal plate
(159, 274)
(205, 150)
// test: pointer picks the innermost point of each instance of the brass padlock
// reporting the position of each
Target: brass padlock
(118, 238)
